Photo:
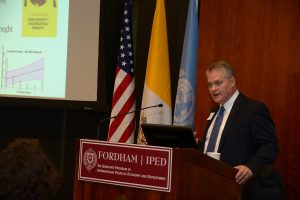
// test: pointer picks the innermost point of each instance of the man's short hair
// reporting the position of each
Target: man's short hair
(222, 65)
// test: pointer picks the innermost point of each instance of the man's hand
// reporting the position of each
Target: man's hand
(195, 135)
(244, 173)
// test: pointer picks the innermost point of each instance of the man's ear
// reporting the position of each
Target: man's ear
(232, 80)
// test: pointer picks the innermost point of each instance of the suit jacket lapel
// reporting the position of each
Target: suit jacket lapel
(215, 111)
(232, 116)
(202, 144)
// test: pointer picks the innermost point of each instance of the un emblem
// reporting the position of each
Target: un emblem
(185, 101)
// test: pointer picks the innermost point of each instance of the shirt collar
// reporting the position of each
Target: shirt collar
(228, 105)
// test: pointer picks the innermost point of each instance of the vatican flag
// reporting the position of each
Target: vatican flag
(157, 87)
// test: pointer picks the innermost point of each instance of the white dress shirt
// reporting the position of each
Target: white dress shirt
(227, 106)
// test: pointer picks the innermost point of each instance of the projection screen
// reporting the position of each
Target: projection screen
(49, 49)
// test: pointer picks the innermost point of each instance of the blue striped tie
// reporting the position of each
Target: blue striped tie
(214, 133)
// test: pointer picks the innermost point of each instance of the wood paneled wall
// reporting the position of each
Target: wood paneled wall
(261, 39)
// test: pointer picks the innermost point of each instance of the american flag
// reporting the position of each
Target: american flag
(122, 125)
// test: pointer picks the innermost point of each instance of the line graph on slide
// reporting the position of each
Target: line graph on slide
(25, 79)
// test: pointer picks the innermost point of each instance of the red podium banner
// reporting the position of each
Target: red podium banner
(132, 165)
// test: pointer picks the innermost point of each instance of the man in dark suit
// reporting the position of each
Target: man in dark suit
(245, 136)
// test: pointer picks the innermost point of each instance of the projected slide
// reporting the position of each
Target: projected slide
(33, 48)
(23, 79)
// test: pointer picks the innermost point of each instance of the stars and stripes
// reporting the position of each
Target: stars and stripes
(122, 126)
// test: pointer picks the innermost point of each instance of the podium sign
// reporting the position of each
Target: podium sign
(132, 165)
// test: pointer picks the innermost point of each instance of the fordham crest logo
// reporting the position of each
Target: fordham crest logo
(89, 159)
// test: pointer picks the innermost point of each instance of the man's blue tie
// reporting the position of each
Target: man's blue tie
(215, 131)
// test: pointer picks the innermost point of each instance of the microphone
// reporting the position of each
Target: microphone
(123, 114)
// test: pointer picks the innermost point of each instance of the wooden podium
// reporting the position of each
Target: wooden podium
(195, 176)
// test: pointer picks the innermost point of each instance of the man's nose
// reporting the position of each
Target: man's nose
(213, 87)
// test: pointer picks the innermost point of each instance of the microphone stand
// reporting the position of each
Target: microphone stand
(122, 114)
